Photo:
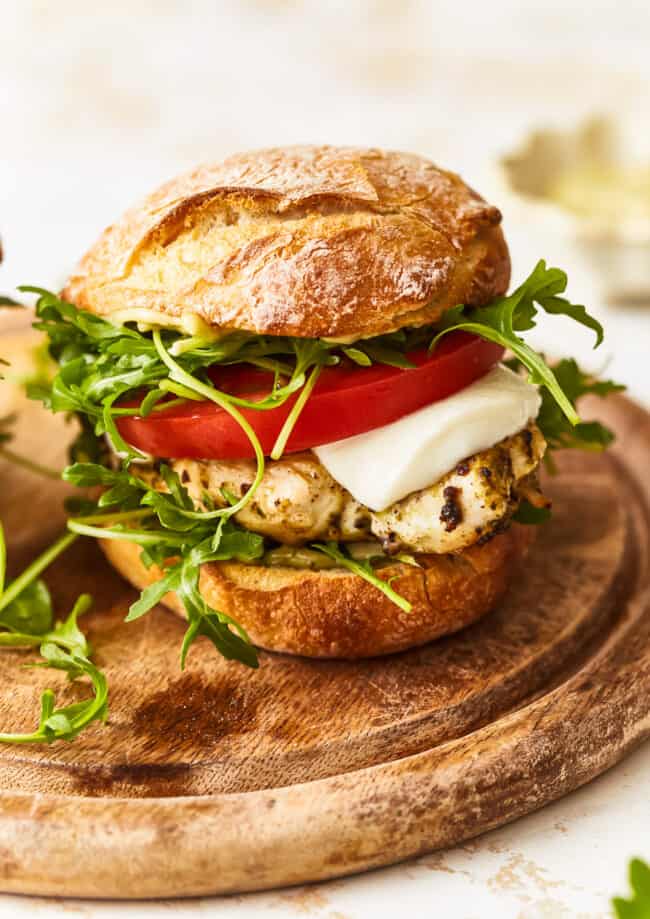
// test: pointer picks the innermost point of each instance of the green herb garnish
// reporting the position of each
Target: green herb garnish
(638, 906)
(528, 514)
(586, 435)
(27, 621)
(558, 431)
(504, 318)
(364, 570)
(175, 537)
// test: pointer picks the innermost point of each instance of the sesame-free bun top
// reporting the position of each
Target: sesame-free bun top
(306, 241)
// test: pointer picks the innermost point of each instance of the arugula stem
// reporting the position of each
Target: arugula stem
(294, 414)
(271, 400)
(185, 394)
(118, 517)
(119, 444)
(36, 568)
(539, 372)
(272, 365)
(35, 737)
(162, 407)
(144, 537)
(363, 570)
(209, 392)
(26, 463)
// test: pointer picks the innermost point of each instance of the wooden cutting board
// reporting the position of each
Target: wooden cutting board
(221, 779)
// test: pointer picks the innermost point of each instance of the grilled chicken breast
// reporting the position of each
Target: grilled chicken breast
(299, 502)
(469, 503)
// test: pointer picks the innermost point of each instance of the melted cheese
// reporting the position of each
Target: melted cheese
(384, 465)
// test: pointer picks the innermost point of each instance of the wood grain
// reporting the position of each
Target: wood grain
(219, 779)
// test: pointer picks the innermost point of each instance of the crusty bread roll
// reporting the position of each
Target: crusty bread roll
(336, 614)
(302, 241)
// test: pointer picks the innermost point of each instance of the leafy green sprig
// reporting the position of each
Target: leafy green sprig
(176, 538)
(558, 431)
(638, 906)
(102, 364)
(187, 536)
(503, 319)
(576, 383)
(27, 621)
(363, 569)
(180, 540)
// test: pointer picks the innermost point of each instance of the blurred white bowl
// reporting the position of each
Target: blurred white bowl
(591, 187)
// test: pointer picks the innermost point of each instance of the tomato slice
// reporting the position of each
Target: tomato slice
(346, 400)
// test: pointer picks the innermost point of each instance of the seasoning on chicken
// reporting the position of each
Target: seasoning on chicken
(299, 502)
(468, 504)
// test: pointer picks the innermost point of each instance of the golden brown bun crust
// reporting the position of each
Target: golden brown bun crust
(302, 241)
(336, 614)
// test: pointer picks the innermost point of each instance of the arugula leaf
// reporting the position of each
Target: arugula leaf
(638, 907)
(586, 435)
(506, 316)
(30, 612)
(380, 354)
(33, 570)
(364, 570)
(26, 617)
(169, 526)
(8, 301)
(67, 722)
(183, 578)
(357, 356)
(153, 594)
(214, 625)
(86, 475)
(527, 513)
(558, 432)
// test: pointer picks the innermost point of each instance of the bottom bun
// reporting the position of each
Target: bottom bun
(334, 613)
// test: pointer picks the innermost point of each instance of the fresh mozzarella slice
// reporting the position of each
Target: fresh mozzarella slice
(383, 466)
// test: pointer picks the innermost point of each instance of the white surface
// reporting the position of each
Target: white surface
(383, 466)
(100, 102)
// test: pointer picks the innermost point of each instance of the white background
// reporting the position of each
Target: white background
(100, 102)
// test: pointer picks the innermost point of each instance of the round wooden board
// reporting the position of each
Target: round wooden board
(221, 779)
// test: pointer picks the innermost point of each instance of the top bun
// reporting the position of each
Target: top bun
(323, 242)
